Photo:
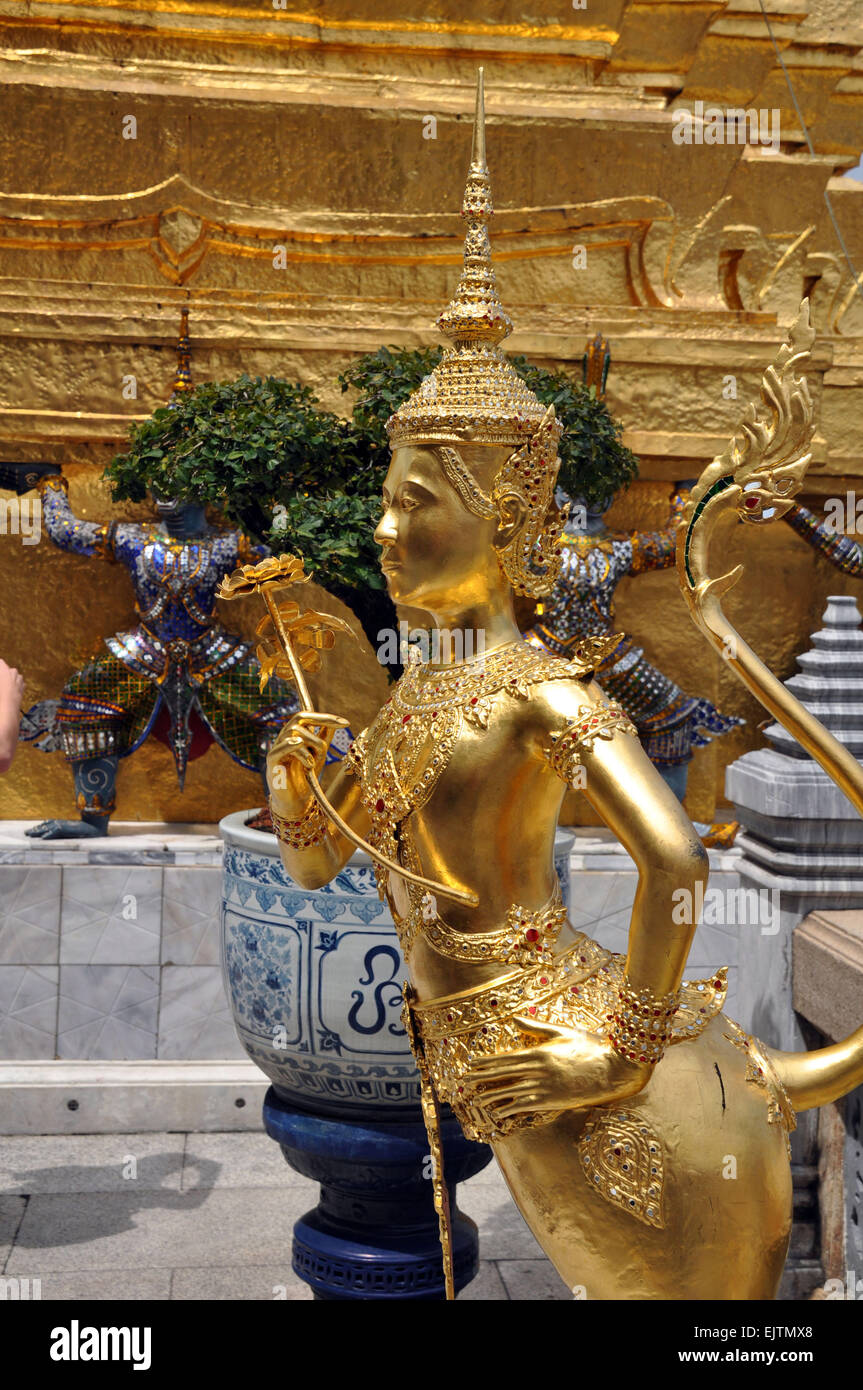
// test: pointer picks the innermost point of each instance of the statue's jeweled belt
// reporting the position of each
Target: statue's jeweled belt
(579, 988)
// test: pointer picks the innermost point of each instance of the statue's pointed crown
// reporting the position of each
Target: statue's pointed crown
(474, 395)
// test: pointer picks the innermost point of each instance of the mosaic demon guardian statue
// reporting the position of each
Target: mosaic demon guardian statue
(669, 722)
(610, 1089)
(177, 674)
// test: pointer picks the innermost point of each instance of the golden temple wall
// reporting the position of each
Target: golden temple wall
(341, 135)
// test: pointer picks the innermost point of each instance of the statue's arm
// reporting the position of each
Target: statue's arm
(657, 550)
(839, 549)
(606, 761)
(313, 850)
(592, 746)
(67, 530)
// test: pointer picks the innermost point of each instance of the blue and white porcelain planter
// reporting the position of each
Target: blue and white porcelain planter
(314, 978)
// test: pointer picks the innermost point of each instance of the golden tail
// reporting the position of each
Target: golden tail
(756, 479)
(816, 1078)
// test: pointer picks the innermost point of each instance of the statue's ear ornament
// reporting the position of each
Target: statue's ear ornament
(532, 561)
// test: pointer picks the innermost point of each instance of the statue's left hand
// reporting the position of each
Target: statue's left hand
(567, 1069)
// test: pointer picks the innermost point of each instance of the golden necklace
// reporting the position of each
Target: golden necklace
(401, 756)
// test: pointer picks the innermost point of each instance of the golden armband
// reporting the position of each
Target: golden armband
(640, 1028)
(591, 722)
(56, 481)
(310, 829)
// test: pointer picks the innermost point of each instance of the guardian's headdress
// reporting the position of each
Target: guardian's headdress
(475, 396)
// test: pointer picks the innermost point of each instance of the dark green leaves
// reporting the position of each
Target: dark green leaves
(254, 444)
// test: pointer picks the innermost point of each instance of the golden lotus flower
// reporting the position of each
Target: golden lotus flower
(278, 570)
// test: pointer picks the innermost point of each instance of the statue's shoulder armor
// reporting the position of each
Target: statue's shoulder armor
(127, 540)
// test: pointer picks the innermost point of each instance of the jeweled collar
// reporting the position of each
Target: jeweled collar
(513, 668)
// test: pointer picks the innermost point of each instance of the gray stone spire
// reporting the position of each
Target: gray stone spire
(830, 680)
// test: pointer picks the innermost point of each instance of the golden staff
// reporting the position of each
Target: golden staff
(315, 631)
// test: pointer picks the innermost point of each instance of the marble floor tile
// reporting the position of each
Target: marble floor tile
(621, 894)
(195, 1018)
(245, 1159)
(110, 916)
(108, 1012)
(718, 945)
(275, 1283)
(533, 1281)
(93, 1162)
(28, 1011)
(11, 1213)
(588, 894)
(155, 1230)
(613, 932)
(29, 914)
(503, 1233)
(190, 916)
(140, 1285)
(487, 1285)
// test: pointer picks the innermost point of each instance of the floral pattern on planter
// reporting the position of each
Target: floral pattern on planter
(314, 979)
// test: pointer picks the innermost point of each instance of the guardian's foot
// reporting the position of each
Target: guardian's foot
(66, 830)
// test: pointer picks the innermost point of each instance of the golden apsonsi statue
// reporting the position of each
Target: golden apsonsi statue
(611, 1092)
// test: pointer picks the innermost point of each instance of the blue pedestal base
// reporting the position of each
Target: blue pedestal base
(374, 1232)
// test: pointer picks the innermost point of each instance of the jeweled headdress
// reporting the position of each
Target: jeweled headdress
(475, 396)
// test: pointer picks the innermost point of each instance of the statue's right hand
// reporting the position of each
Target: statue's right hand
(301, 747)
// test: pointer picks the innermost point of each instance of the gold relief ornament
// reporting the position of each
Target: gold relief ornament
(579, 989)
(623, 1162)
(642, 1023)
(761, 1072)
(309, 829)
(591, 722)
(400, 759)
(431, 1118)
(525, 936)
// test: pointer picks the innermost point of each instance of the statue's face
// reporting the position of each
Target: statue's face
(180, 516)
(436, 554)
(166, 506)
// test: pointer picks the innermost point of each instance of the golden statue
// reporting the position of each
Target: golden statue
(611, 1091)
